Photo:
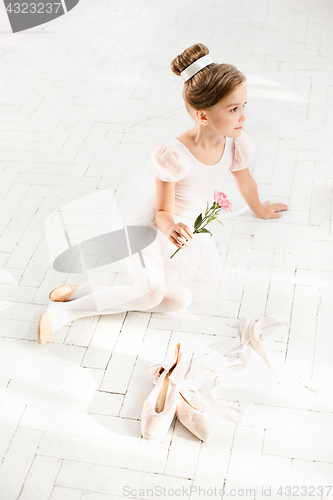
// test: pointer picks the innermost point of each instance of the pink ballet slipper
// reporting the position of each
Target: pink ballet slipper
(44, 328)
(160, 407)
(62, 293)
(197, 415)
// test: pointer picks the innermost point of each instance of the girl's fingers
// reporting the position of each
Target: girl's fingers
(177, 243)
(182, 238)
(187, 232)
(280, 206)
(183, 234)
(179, 240)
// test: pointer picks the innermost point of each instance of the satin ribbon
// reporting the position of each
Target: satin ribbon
(256, 337)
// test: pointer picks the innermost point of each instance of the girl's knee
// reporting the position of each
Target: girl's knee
(152, 299)
(181, 296)
(156, 296)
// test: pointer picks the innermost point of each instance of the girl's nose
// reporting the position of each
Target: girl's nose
(243, 117)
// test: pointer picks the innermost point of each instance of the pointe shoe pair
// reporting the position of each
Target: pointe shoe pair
(174, 395)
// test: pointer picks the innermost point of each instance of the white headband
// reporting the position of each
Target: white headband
(198, 65)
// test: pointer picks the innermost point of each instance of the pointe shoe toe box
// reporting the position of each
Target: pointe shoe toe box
(44, 328)
(62, 293)
(197, 416)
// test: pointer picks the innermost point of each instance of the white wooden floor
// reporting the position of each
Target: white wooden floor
(83, 101)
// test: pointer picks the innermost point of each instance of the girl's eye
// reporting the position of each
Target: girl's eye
(233, 110)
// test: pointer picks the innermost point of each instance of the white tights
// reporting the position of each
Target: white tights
(152, 291)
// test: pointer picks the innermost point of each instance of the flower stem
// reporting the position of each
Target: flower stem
(215, 208)
(175, 252)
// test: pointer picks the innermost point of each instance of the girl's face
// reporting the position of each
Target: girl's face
(227, 116)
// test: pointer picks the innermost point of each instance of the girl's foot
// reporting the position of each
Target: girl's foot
(44, 328)
(62, 293)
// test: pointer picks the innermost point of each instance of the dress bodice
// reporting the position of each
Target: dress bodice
(197, 188)
(195, 181)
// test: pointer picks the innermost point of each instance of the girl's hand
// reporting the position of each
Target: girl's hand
(272, 210)
(179, 234)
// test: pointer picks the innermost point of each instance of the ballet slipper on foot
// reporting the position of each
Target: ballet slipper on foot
(62, 293)
(44, 328)
(160, 407)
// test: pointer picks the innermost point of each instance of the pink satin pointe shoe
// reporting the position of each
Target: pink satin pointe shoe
(160, 407)
(197, 415)
(62, 293)
(44, 328)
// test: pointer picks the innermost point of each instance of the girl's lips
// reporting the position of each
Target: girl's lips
(237, 128)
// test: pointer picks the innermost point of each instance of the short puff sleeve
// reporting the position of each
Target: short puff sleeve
(243, 153)
(165, 164)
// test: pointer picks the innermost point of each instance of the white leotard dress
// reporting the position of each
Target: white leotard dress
(195, 183)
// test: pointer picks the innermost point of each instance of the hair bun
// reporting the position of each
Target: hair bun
(188, 57)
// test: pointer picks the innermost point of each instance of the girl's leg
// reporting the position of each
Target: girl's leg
(66, 312)
(148, 293)
(163, 299)
(176, 298)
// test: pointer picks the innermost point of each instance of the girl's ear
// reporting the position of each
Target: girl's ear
(201, 117)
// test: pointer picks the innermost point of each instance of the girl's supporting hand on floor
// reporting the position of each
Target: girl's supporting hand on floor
(272, 210)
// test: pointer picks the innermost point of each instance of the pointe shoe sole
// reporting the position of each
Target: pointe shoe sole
(62, 293)
(44, 328)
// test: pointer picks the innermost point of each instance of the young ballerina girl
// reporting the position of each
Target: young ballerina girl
(187, 170)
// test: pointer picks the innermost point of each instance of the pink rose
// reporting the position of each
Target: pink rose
(222, 200)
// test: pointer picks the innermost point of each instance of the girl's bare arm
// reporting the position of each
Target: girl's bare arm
(247, 187)
(165, 205)
(164, 217)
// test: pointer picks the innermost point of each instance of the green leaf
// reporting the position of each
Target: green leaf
(220, 222)
(198, 222)
(204, 230)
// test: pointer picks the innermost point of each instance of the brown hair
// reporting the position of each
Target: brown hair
(213, 83)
